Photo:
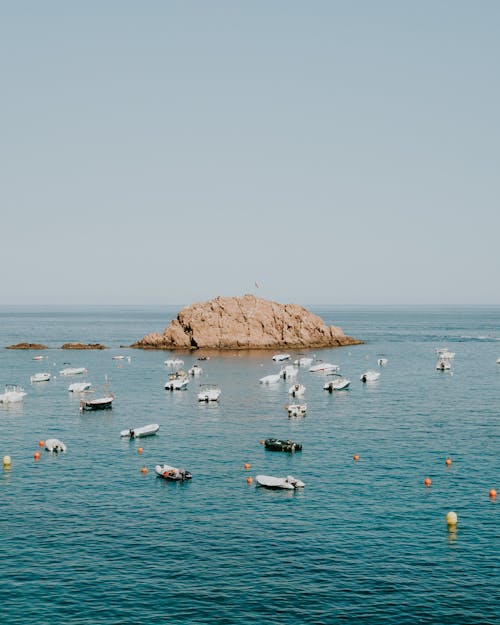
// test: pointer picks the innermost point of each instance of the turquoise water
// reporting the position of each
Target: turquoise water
(88, 539)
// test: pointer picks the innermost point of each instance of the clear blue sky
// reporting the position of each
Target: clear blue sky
(167, 152)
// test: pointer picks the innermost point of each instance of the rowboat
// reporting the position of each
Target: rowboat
(145, 430)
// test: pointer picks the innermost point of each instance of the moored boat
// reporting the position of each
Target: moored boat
(296, 410)
(209, 392)
(140, 432)
(40, 377)
(338, 383)
(289, 482)
(297, 390)
(278, 444)
(12, 394)
(281, 357)
(55, 445)
(272, 378)
(324, 366)
(174, 474)
(369, 376)
(73, 371)
(99, 403)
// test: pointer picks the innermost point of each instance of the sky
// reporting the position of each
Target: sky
(323, 152)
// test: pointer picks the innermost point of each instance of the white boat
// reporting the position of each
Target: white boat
(270, 379)
(289, 372)
(175, 474)
(289, 482)
(382, 362)
(195, 370)
(296, 410)
(117, 357)
(174, 362)
(326, 367)
(338, 383)
(445, 359)
(369, 376)
(177, 384)
(73, 371)
(40, 377)
(297, 390)
(99, 403)
(303, 361)
(209, 392)
(39, 357)
(498, 361)
(13, 393)
(79, 387)
(145, 430)
(55, 445)
(281, 357)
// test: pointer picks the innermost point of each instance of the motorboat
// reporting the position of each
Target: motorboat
(55, 445)
(177, 381)
(498, 361)
(281, 357)
(40, 377)
(270, 379)
(39, 357)
(445, 359)
(278, 444)
(13, 393)
(99, 403)
(79, 387)
(172, 473)
(118, 357)
(73, 371)
(297, 390)
(296, 410)
(338, 383)
(195, 370)
(369, 376)
(303, 361)
(145, 430)
(209, 392)
(326, 367)
(382, 362)
(289, 482)
(174, 362)
(288, 372)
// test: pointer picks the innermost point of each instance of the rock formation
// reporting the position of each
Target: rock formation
(245, 322)
(27, 346)
(83, 346)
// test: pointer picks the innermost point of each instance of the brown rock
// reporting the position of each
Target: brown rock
(245, 322)
(83, 346)
(27, 346)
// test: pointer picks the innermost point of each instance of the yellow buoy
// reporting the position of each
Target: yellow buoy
(451, 519)
(7, 462)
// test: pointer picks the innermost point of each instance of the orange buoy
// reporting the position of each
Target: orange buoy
(140, 450)
(144, 470)
(448, 462)
(355, 457)
(493, 493)
(427, 481)
(41, 443)
(249, 480)
(36, 455)
(246, 465)
(262, 441)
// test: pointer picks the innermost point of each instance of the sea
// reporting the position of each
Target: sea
(94, 537)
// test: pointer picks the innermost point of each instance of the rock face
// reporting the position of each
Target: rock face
(27, 346)
(245, 323)
(83, 346)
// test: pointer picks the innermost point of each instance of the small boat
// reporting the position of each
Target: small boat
(177, 381)
(55, 445)
(303, 361)
(79, 387)
(172, 473)
(277, 444)
(195, 370)
(270, 379)
(39, 357)
(73, 371)
(339, 383)
(117, 357)
(445, 359)
(145, 430)
(209, 392)
(281, 357)
(297, 390)
(498, 361)
(289, 372)
(99, 403)
(40, 377)
(296, 410)
(325, 367)
(203, 357)
(174, 362)
(369, 376)
(382, 362)
(289, 482)
(12, 394)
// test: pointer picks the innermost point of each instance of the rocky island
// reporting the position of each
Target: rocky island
(246, 322)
